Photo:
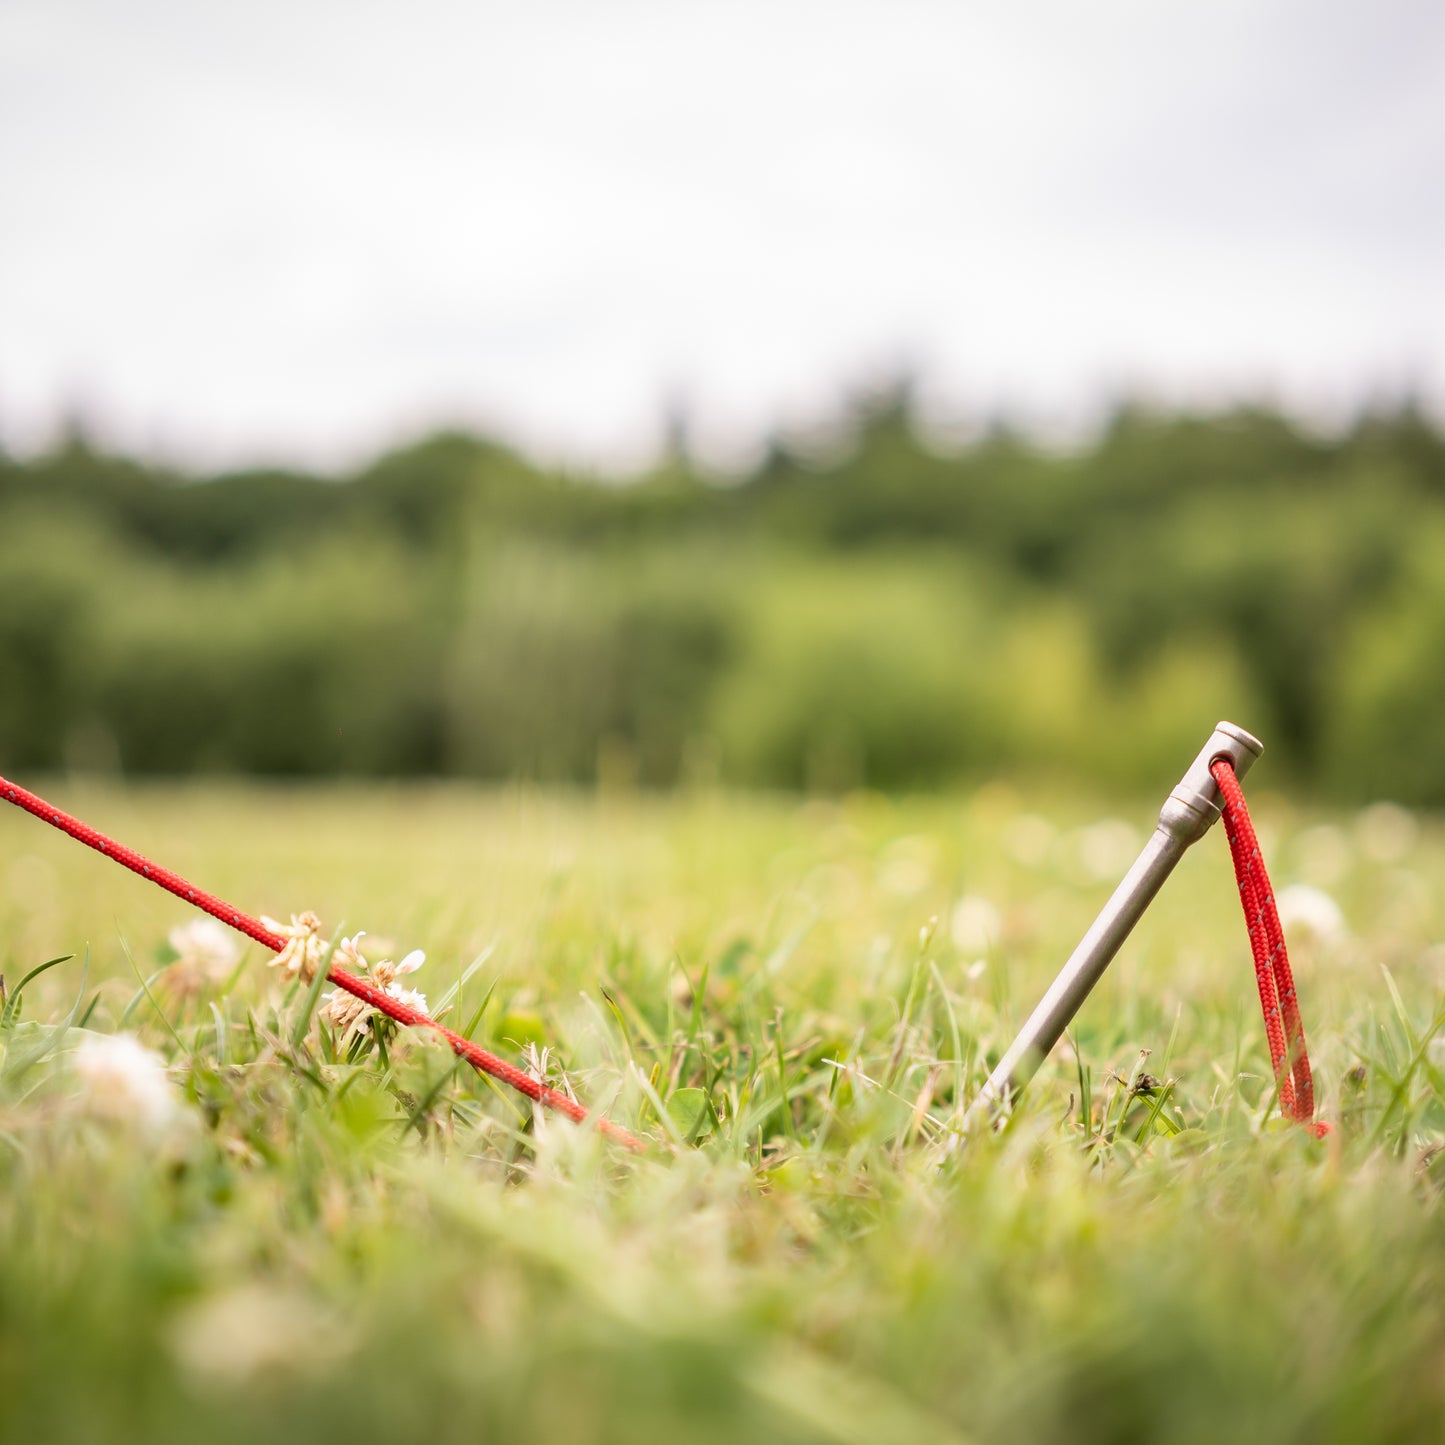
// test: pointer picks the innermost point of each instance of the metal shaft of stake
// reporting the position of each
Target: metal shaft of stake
(1187, 815)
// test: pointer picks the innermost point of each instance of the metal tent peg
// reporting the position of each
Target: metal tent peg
(1190, 810)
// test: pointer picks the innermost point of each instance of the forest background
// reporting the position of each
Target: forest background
(869, 608)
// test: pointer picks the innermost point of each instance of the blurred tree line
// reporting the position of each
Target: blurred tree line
(887, 613)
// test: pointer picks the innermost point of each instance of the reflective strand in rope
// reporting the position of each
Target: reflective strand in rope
(480, 1059)
(1283, 1025)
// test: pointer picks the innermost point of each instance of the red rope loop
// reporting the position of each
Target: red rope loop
(379, 999)
(1283, 1025)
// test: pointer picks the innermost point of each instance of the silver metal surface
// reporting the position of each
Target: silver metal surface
(1187, 815)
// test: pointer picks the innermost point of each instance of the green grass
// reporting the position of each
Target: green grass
(772, 992)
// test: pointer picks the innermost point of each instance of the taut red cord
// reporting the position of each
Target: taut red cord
(379, 999)
(1282, 1023)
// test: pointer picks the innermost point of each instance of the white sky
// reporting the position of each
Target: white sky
(302, 230)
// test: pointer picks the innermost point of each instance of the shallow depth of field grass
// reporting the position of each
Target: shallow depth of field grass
(790, 1000)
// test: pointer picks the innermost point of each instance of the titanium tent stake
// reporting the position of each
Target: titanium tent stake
(1187, 815)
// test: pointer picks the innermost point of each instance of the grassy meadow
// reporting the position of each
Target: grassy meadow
(790, 999)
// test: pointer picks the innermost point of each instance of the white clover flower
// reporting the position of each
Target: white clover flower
(1433, 962)
(1324, 853)
(256, 1331)
(347, 953)
(1106, 848)
(349, 1015)
(125, 1081)
(408, 997)
(1030, 839)
(304, 948)
(1387, 832)
(346, 1014)
(974, 925)
(1311, 912)
(906, 868)
(206, 951)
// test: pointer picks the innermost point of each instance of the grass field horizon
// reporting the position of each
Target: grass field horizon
(791, 999)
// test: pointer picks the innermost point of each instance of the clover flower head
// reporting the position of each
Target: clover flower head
(349, 1015)
(206, 952)
(205, 943)
(385, 974)
(346, 1014)
(304, 946)
(408, 997)
(123, 1080)
(1311, 913)
(348, 955)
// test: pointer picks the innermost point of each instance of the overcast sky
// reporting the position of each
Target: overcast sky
(301, 230)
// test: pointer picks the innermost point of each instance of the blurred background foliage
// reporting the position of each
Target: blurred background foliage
(880, 611)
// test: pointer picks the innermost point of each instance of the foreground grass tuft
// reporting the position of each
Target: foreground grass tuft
(309, 1237)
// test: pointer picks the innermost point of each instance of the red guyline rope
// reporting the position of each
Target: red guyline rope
(379, 999)
(1283, 1026)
